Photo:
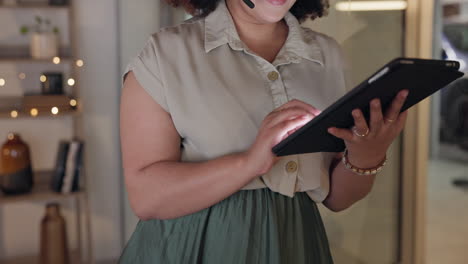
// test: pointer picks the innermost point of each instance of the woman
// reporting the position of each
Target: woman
(202, 106)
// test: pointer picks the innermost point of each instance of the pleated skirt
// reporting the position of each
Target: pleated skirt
(251, 226)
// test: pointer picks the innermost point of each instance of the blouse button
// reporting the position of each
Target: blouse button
(273, 76)
(291, 167)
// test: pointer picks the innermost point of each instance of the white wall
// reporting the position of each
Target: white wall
(97, 37)
(132, 36)
(98, 45)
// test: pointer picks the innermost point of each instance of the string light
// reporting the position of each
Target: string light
(73, 102)
(371, 5)
(54, 110)
(79, 63)
(34, 112)
(56, 60)
(43, 78)
(71, 82)
(14, 114)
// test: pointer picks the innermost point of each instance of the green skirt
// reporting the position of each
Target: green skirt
(251, 226)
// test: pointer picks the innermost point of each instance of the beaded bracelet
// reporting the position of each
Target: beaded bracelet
(360, 171)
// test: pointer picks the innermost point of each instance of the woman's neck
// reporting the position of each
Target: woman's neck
(264, 39)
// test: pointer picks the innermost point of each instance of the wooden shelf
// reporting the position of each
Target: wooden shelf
(21, 54)
(34, 6)
(74, 259)
(41, 191)
(26, 114)
(4, 59)
(42, 103)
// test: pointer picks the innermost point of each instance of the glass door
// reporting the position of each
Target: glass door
(447, 188)
(369, 231)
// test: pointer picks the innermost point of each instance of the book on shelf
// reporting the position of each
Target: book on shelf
(68, 166)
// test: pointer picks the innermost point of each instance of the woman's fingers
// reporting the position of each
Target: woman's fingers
(392, 114)
(300, 104)
(281, 130)
(342, 133)
(376, 116)
(400, 123)
(287, 114)
(360, 123)
(292, 109)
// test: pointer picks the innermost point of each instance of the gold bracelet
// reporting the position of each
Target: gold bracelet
(360, 171)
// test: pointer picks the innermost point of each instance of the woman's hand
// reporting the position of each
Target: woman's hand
(276, 126)
(367, 144)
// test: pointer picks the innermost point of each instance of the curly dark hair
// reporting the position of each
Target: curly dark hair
(302, 9)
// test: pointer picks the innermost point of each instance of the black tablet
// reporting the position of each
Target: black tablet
(421, 77)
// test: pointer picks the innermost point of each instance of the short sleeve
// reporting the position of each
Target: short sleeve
(145, 67)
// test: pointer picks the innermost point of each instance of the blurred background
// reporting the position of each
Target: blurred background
(60, 77)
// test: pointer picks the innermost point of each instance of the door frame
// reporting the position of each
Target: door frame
(415, 143)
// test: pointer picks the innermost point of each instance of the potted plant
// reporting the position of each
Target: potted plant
(44, 38)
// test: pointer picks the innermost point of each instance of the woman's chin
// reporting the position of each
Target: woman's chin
(273, 11)
(272, 17)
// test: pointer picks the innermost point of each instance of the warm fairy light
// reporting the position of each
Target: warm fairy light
(11, 136)
(73, 102)
(56, 60)
(43, 78)
(34, 112)
(71, 82)
(371, 5)
(22, 76)
(79, 63)
(2, 82)
(54, 110)
(14, 114)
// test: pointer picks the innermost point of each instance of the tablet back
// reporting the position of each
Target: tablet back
(421, 77)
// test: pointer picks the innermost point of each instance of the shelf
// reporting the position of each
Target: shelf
(26, 114)
(19, 59)
(21, 54)
(74, 259)
(34, 6)
(43, 104)
(41, 114)
(40, 192)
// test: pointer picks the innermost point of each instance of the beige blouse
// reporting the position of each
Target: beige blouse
(218, 92)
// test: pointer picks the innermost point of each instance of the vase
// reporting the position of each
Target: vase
(53, 237)
(44, 45)
(16, 175)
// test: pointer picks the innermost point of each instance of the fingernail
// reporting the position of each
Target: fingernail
(405, 93)
(376, 103)
(330, 130)
(356, 113)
